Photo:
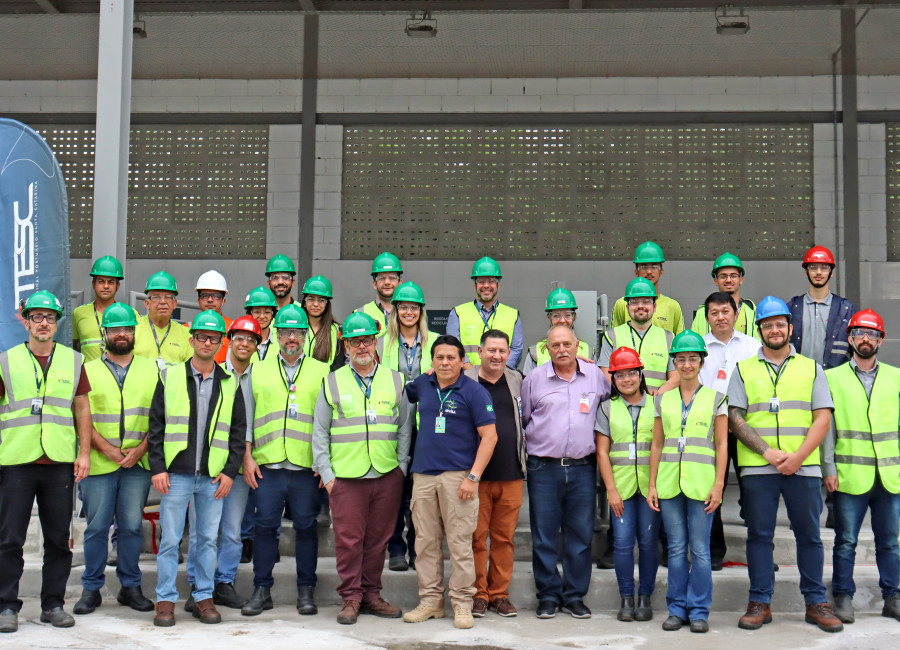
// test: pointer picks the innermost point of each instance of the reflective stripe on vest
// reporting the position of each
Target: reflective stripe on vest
(110, 406)
(693, 471)
(309, 343)
(866, 429)
(277, 437)
(373, 310)
(541, 355)
(356, 445)
(653, 349)
(630, 474)
(25, 437)
(389, 352)
(178, 417)
(787, 429)
(86, 331)
(471, 326)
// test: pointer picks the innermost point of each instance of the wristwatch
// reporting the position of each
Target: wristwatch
(473, 478)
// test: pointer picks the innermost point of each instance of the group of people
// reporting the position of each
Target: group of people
(419, 438)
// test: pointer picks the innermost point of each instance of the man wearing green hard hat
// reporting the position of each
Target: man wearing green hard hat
(154, 336)
(45, 439)
(386, 275)
(280, 271)
(561, 310)
(470, 320)
(106, 274)
(728, 276)
(648, 264)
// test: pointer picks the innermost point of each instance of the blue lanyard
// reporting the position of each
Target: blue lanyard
(686, 409)
(443, 399)
(367, 390)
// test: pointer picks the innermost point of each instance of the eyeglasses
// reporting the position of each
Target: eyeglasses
(641, 302)
(115, 331)
(865, 333)
(486, 282)
(211, 338)
(385, 277)
(291, 334)
(558, 316)
(281, 277)
(818, 268)
(409, 307)
(692, 360)
(243, 338)
(627, 374)
(728, 276)
(214, 295)
(316, 300)
(161, 298)
(361, 340)
(40, 318)
(777, 325)
(258, 312)
(649, 267)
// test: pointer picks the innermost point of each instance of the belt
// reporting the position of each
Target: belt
(566, 462)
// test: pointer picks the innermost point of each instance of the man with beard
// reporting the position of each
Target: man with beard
(280, 271)
(779, 408)
(386, 276)
(728, 276)
(862, 464)
(648, 264)
(119, 481)
(106, 274)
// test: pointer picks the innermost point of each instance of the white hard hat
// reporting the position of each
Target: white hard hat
(212, 280)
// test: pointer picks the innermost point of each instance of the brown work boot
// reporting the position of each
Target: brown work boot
(206, 611)
(381, 608)
(820, 614)
(165, 614)
(503, 607)
(349, 612)
(479, 607)
(758, 614)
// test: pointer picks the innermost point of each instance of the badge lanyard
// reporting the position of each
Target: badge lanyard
(102, 335)
(685, 411)
(777, 375)
(371, 414)
(291, 385)
(634, 345)
(37, 375)
(440, 423)
(156, 338)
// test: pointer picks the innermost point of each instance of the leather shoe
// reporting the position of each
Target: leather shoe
(165, 614)
(626, 611)
(820, 614)
(398, 563)
(503, 607)
(717, 563)
(225, 595)
(89, 601)
(643, 611)
(843, 608)
(757, 615)
(479, 607)
(9, 621)
(189, 603)
(577, 609)
(57, 617)
(546, 609)
(246, 551)
(206, 611)
(699, 626)
(134, 598)
(380, 608)
(891, 608)
(673, 623)
(306, 606)
(349, 612)
(260, 600)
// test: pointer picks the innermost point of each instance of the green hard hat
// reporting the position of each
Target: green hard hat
(640, 288)
(486, 268)
(260, 297)
(560, 299)
(386, 263)
(43, 299)
(359, 324)
(726, 260)
(648, 253)
(108, 266)
(408, 292)
(161, 281)
(119, 314)
(209, 320)
(318, 285)
(291, 317)
(280, 264)
(688, 341)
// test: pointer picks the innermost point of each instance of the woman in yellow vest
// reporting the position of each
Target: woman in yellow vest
(406, 347)
(688, 459)
(625, 422)
(322, 339)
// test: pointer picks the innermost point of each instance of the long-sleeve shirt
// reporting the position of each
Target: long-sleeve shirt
(517, 341)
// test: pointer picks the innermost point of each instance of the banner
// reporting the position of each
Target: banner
(34, 230)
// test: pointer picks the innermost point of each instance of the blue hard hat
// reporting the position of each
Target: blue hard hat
(771, 306)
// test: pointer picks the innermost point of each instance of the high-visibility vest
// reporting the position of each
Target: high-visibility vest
(389, 352)
(174, 341)
(178, 417)
(357, 445)
(309, 344)
(86, 330)
(787, 429)
(112, 406)
(374, 310)
(272, 348)
(653, 349)
(691, 472)
(866, 429)
(471, 326)
(745, 323)
(540, 354)
(668, 314)
(629, 474)
(25, 437)
(277, 437)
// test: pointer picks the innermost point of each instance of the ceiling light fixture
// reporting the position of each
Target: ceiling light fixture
(729, 22)
(423, 26)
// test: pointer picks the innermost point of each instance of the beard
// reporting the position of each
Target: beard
(866, 354)
(120, 347)
(778, 346)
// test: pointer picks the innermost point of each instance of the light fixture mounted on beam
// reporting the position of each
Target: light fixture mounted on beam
(421, 26)
(731, 21)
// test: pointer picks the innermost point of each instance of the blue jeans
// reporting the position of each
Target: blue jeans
(849, 512)
(120, 494)
(183, 490)
(690, 586)
(230, 545)
(803, 501)
(561, 499)
(638, 523)
(300, 490)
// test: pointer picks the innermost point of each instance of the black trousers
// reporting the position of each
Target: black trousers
(52, 486)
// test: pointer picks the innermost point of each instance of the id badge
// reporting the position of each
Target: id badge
(774, 404)
(37, 405)
(440, 424)
(722, 374)
(584, 405)
(682, 443)
(161, 363)
(293, 412)
(632, 451)
(371, 417)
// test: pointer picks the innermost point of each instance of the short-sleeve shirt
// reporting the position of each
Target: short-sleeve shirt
(467, 406)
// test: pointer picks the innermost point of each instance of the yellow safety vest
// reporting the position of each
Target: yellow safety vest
(389, 352)
(174, 341)
(653, 349)
(471, 326)
(309, 344)
(374, 310)
(668, 314)
(86, 330)
(629, 473)
(541, 355)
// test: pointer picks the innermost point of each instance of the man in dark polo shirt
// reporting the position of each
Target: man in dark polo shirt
(500, 489)
(456, 437)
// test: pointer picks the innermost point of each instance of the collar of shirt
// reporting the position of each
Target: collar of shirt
(456, 384)
(290, 365)
(368, 374)
(417, 342)
(808, 299)
(710, 339)
(197, 373)
(230, 367)
(108, 360)
(859, 370)
(762, 357)
(551, 371)
(640, 404)
(483, 310)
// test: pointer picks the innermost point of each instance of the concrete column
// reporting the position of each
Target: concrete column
(113, 128)
(849, 107)
(306, 214)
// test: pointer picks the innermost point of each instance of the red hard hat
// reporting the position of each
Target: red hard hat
(866, 318)
(818, 255)
(245, 324)
(623, 359)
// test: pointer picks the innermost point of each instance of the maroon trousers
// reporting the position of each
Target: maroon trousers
(363, 514)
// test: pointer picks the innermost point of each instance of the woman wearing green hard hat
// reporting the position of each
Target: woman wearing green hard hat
(406, 346)
(261, 304)
(324, 331)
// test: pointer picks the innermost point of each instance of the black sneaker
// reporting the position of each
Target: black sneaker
(546, 609)
(577, 609)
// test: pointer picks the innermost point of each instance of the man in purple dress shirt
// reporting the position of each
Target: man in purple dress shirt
(559, 403)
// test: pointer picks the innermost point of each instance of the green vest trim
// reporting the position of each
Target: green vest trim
(471, 326)
(541, 355)
(630, 474)
(691, 472)
(373, 310)
(653, 349)
(389, 353)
